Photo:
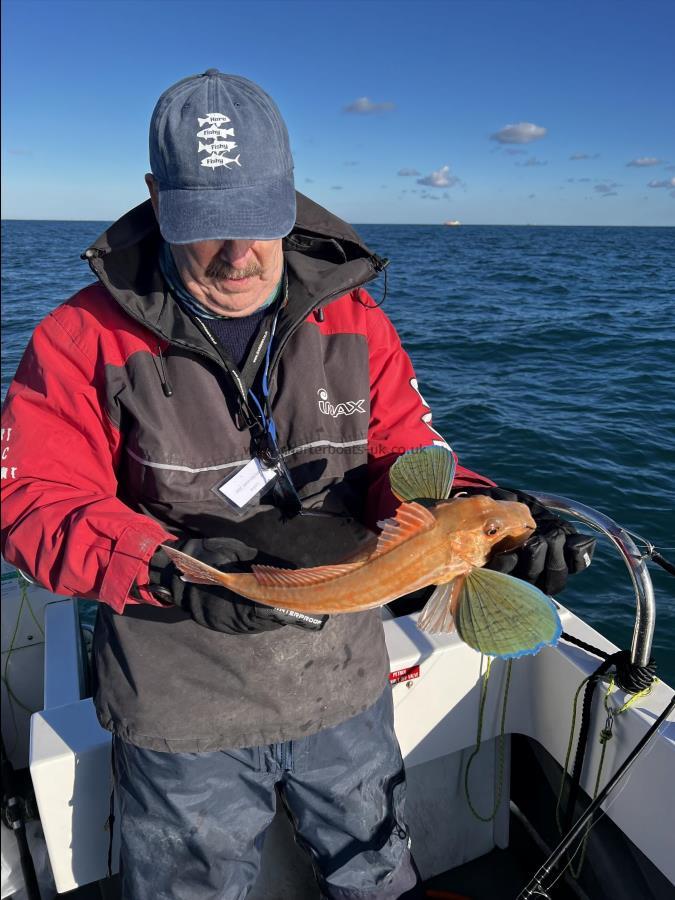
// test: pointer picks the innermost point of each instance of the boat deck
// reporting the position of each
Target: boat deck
(497, 875)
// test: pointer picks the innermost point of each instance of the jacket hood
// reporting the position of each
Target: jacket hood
(325, 258)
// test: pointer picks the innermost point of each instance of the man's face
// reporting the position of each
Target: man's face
(231, 278)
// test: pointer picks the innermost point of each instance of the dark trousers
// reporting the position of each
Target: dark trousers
(193, 824)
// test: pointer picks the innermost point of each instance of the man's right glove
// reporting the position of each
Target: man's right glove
(213, 606)
(555, 550)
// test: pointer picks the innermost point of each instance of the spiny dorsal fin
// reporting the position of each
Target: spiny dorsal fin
(409, 520)
(270, 576)
(427, 473)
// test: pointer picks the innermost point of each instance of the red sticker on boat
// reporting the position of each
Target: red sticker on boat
(404, 674)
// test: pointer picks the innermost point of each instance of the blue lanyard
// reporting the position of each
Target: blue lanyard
(264, 407)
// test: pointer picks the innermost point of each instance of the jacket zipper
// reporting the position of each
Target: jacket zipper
(378, 265)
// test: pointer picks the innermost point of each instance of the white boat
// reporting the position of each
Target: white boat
(487, 841)
(452, 222)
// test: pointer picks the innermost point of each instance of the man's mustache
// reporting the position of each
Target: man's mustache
(218, 268)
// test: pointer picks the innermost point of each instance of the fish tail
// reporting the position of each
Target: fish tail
(198, 572)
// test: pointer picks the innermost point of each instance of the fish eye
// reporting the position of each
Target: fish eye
(492, 528)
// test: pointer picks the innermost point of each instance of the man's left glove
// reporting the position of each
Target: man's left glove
(213, 606)
(555, 550)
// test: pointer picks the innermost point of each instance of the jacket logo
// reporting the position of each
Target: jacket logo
(216, 134)
(339, 409)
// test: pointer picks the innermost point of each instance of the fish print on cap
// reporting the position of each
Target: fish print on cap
(213, 119)
(217, 146)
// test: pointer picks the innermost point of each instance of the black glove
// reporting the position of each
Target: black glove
(555, 550)
(213, 606)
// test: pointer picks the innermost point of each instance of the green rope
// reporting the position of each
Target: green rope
(5, 681)
(18, 702)
(499, 775)
(24, 581)
(605, 736)
(25, 601)
(568, 754)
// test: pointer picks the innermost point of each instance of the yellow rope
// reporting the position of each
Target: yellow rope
(499, 774)
(605, 736)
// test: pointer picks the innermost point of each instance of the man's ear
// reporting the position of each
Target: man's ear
(152, 188)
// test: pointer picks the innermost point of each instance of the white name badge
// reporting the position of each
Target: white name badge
(249, 481)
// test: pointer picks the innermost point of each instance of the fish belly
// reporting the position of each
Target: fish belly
(372, 584)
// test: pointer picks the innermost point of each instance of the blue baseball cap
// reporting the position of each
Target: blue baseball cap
(220, 155)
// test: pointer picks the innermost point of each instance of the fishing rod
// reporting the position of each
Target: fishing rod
(653, 552)
(535, 888)
(656, 557)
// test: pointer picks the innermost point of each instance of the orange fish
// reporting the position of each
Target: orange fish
(445, 544)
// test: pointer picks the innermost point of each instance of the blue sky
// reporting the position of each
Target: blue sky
(508, 111)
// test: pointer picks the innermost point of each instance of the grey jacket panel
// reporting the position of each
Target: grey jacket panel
(166, 683)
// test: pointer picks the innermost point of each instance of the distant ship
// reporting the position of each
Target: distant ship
(452, 222)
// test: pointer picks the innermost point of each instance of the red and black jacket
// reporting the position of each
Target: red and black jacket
(100, 465)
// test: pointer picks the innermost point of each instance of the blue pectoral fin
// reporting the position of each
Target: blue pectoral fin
(504, 616)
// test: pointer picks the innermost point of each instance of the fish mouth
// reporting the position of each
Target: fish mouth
(513, 541)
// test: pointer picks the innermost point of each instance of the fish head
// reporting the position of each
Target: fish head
(478, 527)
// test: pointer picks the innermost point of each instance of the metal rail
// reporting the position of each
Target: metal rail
(645, 615)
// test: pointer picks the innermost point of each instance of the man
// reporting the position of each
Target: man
(227, 385)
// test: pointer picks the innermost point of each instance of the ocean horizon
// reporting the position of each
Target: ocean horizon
(403, 224)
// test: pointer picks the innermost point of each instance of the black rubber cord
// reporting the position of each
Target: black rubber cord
(661, 561)
(630, 678)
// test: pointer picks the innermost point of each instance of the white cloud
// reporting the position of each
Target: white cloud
(577, 156)
(514, 151)
(364, 106)
(337, 187)
(606, 189)
(643, 161)
(668, 183)
(521, 133)
(408, 172)
(441, 178)
(533, 161)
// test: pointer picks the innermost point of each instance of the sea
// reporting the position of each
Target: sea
(547, 355)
